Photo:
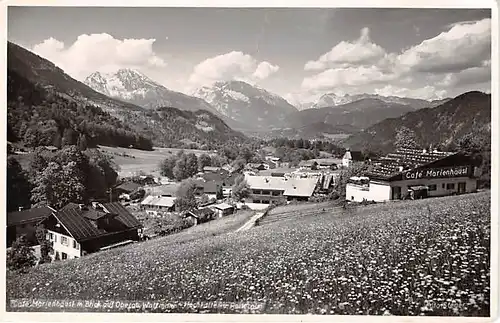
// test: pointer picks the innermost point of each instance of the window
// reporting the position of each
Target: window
(75, 245)
(450, 186)
(64, 241)
(276, 193)
(352, 198)
(265, 193)
(432, 187)
(55, 237)
(256, 201)
(256, 191)
(64, 256)
(442, 186)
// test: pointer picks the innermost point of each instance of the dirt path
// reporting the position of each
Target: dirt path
(250, 223)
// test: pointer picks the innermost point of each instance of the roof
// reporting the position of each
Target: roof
(301, 187)
(82, 228)
(325, 162)
(404, 159)
(307, 162)
(165, 201)
(223, 206)
(128, 187)
(211, 169)
(201, 212)
(163, 190)
(33, 215)
(211, 187)
(290, 186)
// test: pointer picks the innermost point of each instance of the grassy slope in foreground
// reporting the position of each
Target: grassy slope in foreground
(419, 257)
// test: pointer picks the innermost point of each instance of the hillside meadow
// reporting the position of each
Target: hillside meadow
(425, 257)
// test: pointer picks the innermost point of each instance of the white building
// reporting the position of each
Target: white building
(414, 174)
(350, 157)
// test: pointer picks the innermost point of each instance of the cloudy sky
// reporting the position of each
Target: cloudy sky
(298, 53)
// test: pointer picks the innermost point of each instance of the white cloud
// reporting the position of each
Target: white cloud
(344, 54)
(457, 59)
(99, 52)
(427, 92)
(234, 65)
(264, 70)
(346, 77)
(464, 46)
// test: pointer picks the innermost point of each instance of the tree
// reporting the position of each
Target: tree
(18, 186)
(167, 166)
(20, 256)
(58, 185)
(82, 143)
(405, 138)
(356, 169)
(238, 165)
(240, 189)
(68, 137)
(45, 245)
(186, 197)
(204, 160)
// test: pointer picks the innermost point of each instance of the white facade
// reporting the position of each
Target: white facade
(379, 191)
(66, 246)
(346, 162)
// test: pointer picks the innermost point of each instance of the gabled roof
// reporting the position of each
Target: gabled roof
(223, 206)
(290, 186)
(303, 187)
(211, 186)
(33, 215)
(165, 201)
(128, 187)
(82, 228)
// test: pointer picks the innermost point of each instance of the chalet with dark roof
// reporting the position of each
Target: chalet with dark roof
(24, 222)
(415, 173)
(77, 229)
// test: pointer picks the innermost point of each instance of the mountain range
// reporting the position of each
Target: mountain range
(247, 104)
(130, 101)
(441, 126)
(30, 74)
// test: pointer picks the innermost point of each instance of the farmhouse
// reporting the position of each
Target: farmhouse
(155, 204)
(162, 190)
(222, 209)
(24, 222)
(411, 173)
(266, 189)
(77, 230)
(350, 157)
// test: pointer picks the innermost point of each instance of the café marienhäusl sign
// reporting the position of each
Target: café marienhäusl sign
(458, 171)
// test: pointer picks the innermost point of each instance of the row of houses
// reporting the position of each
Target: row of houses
(415, 173)
(76, 229)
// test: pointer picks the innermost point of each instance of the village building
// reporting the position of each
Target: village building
(201, 215)
(129, 191)
(257, 166)
(162, 190)
(157, 205)
(308, 164)
(24, 222)
(412, 173)
(77, 230)
(211, 169)
(350, 157)
(222, 209)
(326, 164)
(267, 189)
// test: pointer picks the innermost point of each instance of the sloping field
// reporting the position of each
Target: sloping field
(132, 161)
(427, 257)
